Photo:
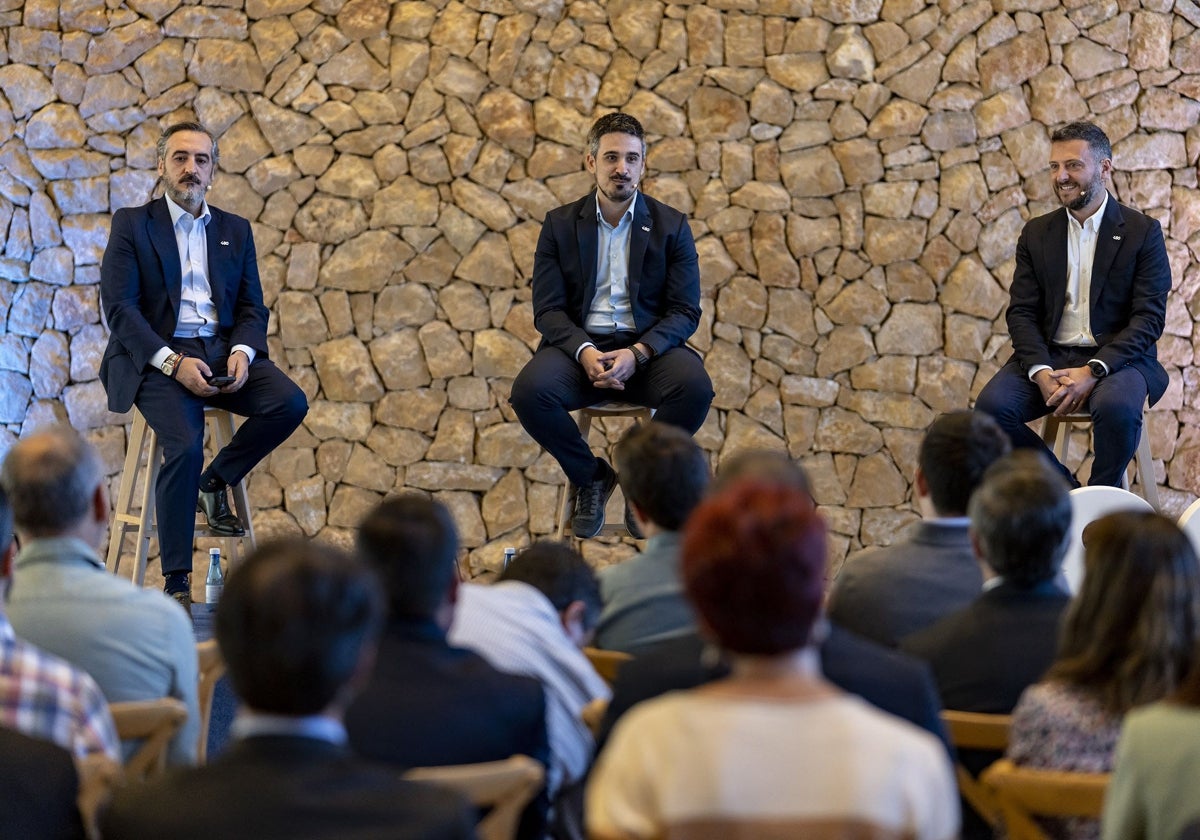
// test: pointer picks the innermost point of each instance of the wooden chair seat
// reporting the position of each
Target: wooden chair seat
(1024, 793)
(976, 731)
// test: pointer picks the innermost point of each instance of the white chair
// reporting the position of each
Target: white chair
(1189, 523)
(1087, 505)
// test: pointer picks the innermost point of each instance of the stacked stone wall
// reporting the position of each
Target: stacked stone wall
(856, 172)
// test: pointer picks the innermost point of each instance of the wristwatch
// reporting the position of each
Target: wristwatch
(639, 357)
(170, 365)
(1098, 369)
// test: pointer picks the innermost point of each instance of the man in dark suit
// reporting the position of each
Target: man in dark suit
(1089, 300)
(984, 655)
(40, 789)
(889, 592)
(428, 703)
(298, 626)
(616, 294)
(181, 294)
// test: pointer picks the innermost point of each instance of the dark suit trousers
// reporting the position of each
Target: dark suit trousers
(1115, 405)
(553, 384)
(273, 407)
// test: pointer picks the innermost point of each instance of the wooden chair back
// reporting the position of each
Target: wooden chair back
(593, 714)
(1025, 793)
(212, 668)
(503, 788)
(606, 662)
(154, 723)
(977, 731)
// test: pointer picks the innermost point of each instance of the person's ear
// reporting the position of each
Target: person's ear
(922, 483)
(100, 506)
(6, 559)
(573, 624)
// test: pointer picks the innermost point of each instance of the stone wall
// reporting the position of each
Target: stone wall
(856, 172)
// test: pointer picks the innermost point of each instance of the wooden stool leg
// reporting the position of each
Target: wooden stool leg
(147, 526)
(1145, 469)
(122, 513)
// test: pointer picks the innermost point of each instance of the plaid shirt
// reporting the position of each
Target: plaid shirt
(47, 697)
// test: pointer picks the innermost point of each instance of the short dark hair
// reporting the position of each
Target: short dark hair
(561, 574)
(50, 477)
(614, 123)
(753, 562)
(1088, 132)
(161, 146)
(293, 624)
(956, 451)
(662, 471)
(1021, 515)
(411, 543)
(766, 465)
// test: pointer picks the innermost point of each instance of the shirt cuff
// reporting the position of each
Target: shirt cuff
(1101, 361)
(1033, 371)
(249, 351)
(156, 361)
(579, 352)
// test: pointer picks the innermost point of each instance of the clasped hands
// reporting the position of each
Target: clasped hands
(608, 370)
(192, 373)
(1066, 390)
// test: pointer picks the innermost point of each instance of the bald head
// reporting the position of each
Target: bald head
(51, 479)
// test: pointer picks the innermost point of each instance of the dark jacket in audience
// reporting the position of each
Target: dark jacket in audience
(38, 789)
(888, 679)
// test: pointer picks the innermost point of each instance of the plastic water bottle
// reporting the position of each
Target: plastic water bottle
(214, 584)
(509, 554)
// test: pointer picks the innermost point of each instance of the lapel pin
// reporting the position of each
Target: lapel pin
(646, 228)
(226, 241)
(1117, 238)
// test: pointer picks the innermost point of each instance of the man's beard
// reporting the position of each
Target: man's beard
(1085, 195)
(186, 193)
(620, 190)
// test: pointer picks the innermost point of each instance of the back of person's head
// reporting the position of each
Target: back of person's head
(51, 479)
(753, 562)
(765, 465)
(411, 543)
(1130, 634)
(956, 451)
(1021, 516)
(296, 623)
(663, 472)
(561, 574)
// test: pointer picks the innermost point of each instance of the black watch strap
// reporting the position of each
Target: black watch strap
(641, 358)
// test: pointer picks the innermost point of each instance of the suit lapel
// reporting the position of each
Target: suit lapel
(639, 239)
(1055, 249)
(587, 237)
(162, 235)
(1108, 242)
(214, 235)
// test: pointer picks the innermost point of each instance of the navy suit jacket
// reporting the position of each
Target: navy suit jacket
(40, 788)
(1131, 277)
(270, 787)
(664, 274)
(141, 283)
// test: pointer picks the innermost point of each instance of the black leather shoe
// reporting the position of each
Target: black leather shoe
(221, 518)
(590, 500)
(631, 523)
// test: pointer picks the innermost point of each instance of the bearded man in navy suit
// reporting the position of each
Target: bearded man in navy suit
(180, 289)
(616, 295)
(1089, 300)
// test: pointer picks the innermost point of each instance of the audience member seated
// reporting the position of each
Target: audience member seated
(40, 789)
(663, 474)
(987, 653)
(535, 620)
(1127, 640)
(298, 625)
(41, 695)
(887, 593)
(430, 704)
(1152, 795)
(773, 750)
(888, 679)
(136, 644)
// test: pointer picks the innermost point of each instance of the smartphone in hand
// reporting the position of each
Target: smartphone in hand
(220, 381)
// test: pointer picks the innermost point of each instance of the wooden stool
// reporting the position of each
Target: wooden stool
(609, 408)
(1056, 431)
(143, 459)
